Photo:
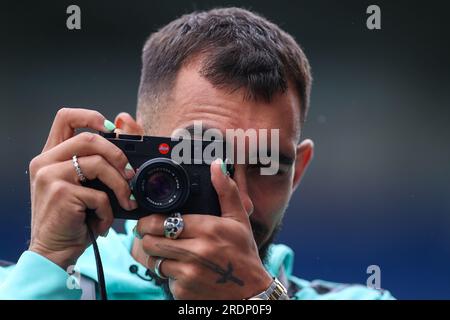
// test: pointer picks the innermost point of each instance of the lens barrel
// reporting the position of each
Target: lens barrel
(161, 185)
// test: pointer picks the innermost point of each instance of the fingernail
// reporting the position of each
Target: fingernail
(109, 126)
(136, 234)
(132, 202)
(129, 171)
(223, 166)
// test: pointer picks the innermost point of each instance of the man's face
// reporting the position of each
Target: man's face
(193, 98)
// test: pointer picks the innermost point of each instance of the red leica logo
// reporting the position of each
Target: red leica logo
(164, 148)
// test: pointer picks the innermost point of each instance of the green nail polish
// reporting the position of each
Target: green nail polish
(223, 166)
(128, 166)
(136, 234)
(109, 125)
(132, 198)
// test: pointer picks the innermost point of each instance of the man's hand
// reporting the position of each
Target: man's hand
(214, 257)
(59, 202)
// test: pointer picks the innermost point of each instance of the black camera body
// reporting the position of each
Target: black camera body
(162, 185)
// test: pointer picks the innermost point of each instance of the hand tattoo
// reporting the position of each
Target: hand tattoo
(226, 275)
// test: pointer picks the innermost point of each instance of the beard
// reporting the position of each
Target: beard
(260, 232)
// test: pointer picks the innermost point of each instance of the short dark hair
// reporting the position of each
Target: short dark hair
(238, 49)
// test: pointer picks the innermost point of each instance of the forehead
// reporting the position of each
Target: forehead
(194, 98)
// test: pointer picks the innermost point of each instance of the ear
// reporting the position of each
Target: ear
(126, 124)
(305, 152)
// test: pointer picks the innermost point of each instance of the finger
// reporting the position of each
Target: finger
(168, 268)
(126, 123)
(154, 225)
(98, 202)
(228, 193)
(87, 144)
(69, 119)
(96, 167)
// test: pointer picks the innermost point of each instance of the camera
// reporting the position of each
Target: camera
(162, 184)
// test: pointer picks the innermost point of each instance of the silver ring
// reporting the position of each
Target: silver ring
(157, 269)
(78, 169)
(173, 226)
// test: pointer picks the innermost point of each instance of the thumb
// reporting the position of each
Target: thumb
(228, 193)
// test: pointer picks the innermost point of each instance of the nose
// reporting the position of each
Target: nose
(240, 177)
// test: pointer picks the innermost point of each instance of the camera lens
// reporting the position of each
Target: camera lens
(161, 185)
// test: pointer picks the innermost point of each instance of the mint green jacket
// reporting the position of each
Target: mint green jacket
(35, 277)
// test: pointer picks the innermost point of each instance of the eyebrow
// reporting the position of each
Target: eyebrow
(191, 129)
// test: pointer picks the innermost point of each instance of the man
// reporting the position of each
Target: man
(228, 68)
